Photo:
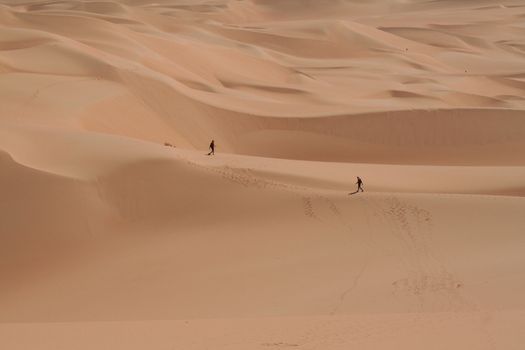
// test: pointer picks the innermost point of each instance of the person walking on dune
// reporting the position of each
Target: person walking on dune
(359, 184)
(212, 148)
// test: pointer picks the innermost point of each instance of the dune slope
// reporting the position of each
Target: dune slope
(113, 239)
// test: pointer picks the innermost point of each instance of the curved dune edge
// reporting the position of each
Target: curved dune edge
(112, 239)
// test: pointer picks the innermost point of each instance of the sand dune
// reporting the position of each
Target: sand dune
(111, 239)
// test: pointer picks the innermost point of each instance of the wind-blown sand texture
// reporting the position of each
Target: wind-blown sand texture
(111, 240)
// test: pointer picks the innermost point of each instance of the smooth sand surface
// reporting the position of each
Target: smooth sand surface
(109, 239)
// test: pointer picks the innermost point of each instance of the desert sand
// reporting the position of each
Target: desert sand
(112, 240)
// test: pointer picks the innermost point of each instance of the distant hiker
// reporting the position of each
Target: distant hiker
(359, 184)
(212, 148)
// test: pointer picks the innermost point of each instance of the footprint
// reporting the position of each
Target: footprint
(427, 278)
(308, 207)
(280, 344)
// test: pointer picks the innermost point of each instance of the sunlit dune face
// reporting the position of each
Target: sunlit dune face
(262, 174)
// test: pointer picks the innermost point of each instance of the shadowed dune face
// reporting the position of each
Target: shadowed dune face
(112, 215)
